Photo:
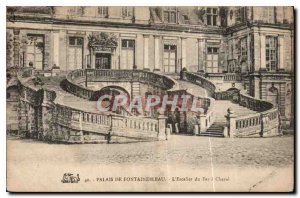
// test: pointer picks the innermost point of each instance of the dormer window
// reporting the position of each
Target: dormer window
(76, 11)
(269, 14)
(211, 16)
(102, 11)
(80, 10)
(170, 15)
(127, 12)
(241, 15)
(185, 18)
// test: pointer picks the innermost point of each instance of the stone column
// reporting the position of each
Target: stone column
(256, 87)
(200, 54)
(257, 50)
(92, 62)
(262, 52)
(156, 53)
(249, 64)
(281, 53)
(56, 48)
(146, 52)
(16, 45)
(183, 52)
(230, 117)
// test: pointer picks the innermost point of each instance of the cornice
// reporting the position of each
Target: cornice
(49, 19)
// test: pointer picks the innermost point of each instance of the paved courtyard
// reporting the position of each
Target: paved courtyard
(249, 160)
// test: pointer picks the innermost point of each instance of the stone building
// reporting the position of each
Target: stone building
(254, 43)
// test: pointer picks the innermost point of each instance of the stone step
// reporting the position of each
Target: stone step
(211, 135)
(211, 129)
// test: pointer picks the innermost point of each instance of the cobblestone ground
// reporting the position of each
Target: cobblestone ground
(188, 150)
(250, 164)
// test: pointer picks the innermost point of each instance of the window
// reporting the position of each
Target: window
(212, 50)
(127, 54)
(35, 51)
(244, 46)
(75, 53)
(269, 14)
(271, 53)
(76, 11)
(211, 16)
(241, 15)
(127, 43)
(80, 10)
(212, 60)
(185, 19)
(127, 12)
(103, 11)
(75, 41)
(170, 15)
(169, 57)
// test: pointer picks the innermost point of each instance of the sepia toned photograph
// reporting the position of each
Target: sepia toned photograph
(150, 98)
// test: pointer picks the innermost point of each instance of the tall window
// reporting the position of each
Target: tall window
(212, 60)
(271, 53)
(169, 57)
(170, 15)
(211, 16)
(127, 12)
(35, 51)
(127, 54)
(244, 46)
(241, 15)
(75, 53)
(269, 14)
(103, 11)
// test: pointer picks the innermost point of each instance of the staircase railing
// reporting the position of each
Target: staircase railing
(200, 81)
(230, 77)
(77, 77)
(59, 122)
(261, 124)
(264, 123)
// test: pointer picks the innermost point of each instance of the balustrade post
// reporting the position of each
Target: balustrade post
(183, 74)
(201, 119)
(197, 125)
(265, 121)
(231, 125)
(161, 126)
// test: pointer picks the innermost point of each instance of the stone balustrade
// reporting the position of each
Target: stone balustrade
(201, 81)
(262, 124)
(77, 77)
(59, 122)
(225, 77)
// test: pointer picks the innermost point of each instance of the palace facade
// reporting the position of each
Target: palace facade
(256, 44)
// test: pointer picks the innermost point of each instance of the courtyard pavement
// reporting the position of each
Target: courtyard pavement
(236, 164)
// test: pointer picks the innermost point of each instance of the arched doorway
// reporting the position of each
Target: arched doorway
(272, 95)
(111, 91)
(244, 67)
